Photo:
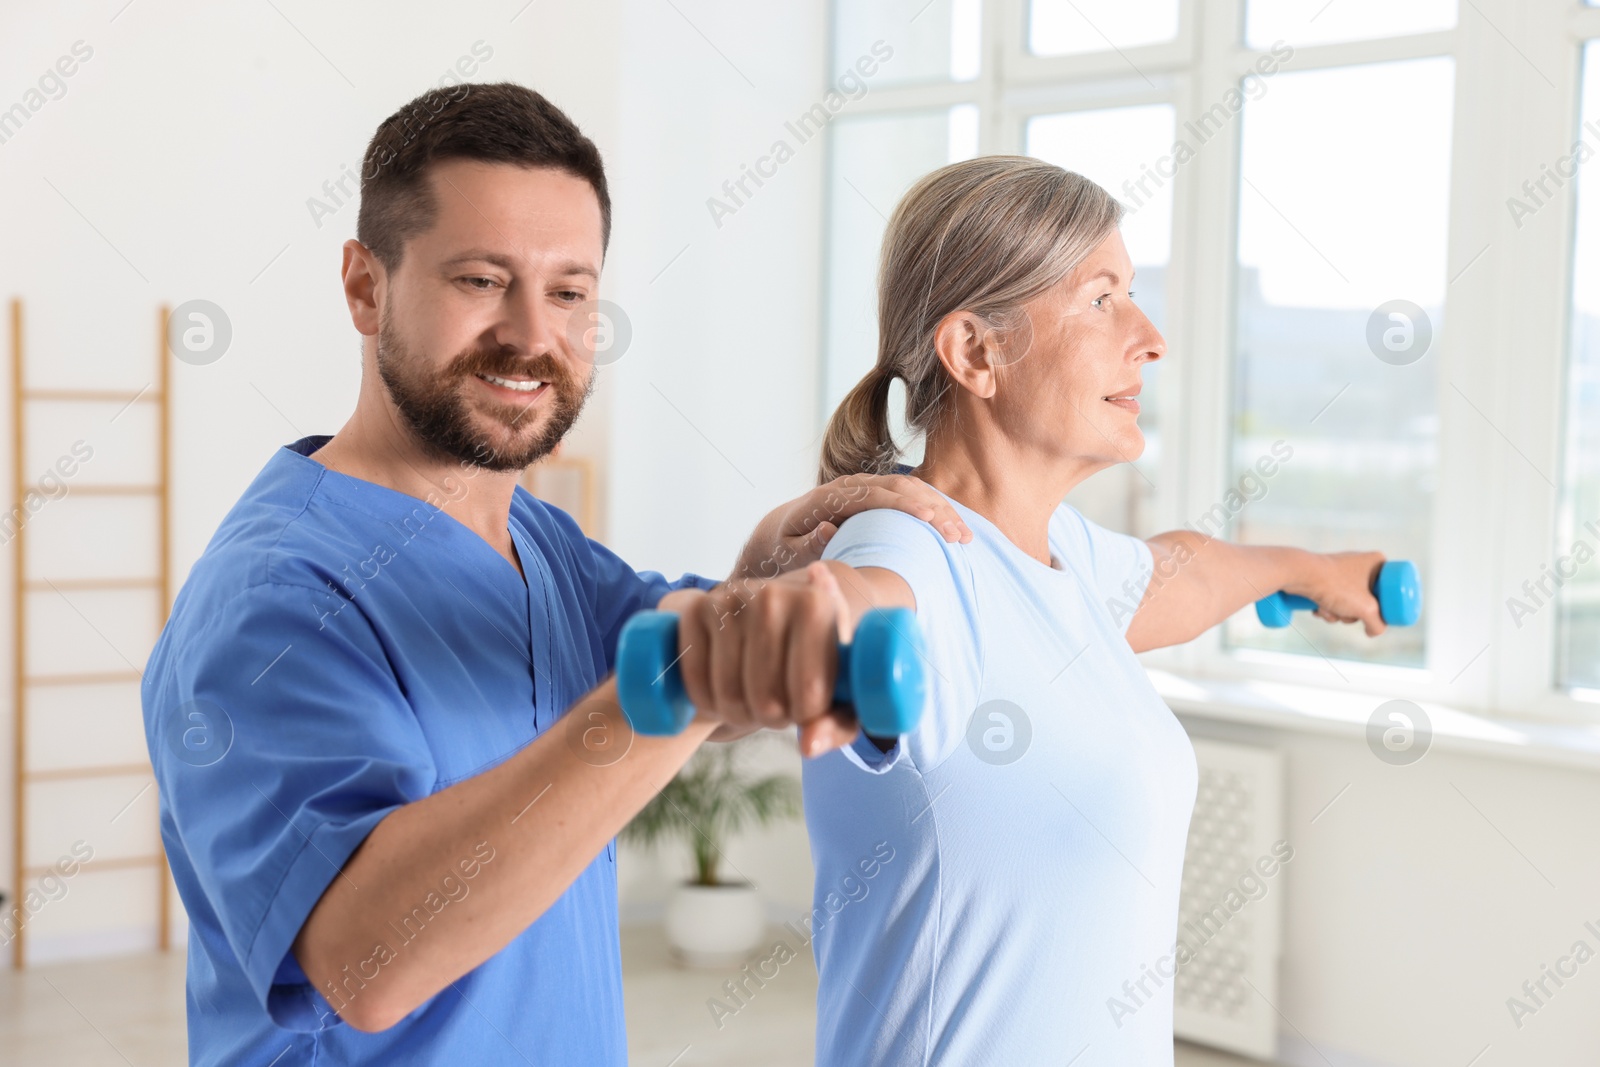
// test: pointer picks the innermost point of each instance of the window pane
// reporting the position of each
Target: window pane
(926, 41)
(874, 160)
(1578, 626)
(1341, 279)
(1305, 22)
(1072, 27)
(1123, 150)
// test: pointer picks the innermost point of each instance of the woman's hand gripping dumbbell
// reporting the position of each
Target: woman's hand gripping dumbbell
(769, 654)
(1393, 585)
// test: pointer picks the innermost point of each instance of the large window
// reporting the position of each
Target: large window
(1321, 202)
(1339, 295)
(1577, 551)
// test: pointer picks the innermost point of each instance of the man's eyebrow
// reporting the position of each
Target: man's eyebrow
(570, 267)
(564, 269)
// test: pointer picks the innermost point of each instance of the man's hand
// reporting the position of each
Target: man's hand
(794, 535)
(1341, 585)
(765, 654)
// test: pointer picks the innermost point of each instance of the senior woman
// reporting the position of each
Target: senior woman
(992, 886)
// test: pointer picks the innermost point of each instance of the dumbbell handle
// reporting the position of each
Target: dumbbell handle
(1397, 587)
(880, 674)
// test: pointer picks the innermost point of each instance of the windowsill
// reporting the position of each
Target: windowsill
(1309, 709)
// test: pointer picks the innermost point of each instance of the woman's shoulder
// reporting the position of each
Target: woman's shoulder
(903, 543)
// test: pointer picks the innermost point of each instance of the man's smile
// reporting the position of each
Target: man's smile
(519, 389)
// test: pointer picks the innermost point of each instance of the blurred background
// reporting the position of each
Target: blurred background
(1367, 229)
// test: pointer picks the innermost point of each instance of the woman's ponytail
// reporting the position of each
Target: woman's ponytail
(858, 440)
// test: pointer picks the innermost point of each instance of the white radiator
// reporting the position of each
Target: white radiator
(1231, 905)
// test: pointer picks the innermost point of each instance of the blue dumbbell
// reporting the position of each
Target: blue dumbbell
(880, 673)
(1398, 590)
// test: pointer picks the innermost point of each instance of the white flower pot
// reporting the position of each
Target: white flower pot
(715, 925)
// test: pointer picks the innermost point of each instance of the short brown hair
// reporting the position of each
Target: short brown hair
(498, 122)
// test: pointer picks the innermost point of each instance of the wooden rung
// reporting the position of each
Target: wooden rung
(115, 490)
(87, 678)
(43, 584)
(106, 396)
(119, 864)
(109, 770)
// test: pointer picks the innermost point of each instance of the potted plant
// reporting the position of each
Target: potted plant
(713, 921)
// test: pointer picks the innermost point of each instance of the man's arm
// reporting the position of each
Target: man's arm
(545, 812)
(1199, 581)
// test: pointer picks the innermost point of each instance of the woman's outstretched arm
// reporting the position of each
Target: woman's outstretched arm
(1198, 581)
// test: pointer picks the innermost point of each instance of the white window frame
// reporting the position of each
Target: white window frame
(1516, 99)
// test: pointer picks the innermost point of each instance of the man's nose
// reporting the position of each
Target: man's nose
(529, 325)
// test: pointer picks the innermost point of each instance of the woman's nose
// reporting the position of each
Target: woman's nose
(1151, 345)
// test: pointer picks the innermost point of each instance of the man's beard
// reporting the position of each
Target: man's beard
(434, 405)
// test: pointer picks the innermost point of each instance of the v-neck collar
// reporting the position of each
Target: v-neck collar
(392, 506)
(382, 502)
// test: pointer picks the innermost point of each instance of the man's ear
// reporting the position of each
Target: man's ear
(363, 275)
(970, 350)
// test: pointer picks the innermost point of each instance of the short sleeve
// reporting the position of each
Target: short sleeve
(941, 582)
(1117, 566)
(279, 739)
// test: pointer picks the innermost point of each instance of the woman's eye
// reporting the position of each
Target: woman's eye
(1097, 300)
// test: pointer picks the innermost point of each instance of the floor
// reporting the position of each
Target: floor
(128, 1012)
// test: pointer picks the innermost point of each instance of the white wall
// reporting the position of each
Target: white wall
(1417, 903)
(191, 140)
(716, 402)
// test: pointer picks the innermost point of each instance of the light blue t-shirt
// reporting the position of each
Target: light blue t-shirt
(1036, 818)
(340, 650)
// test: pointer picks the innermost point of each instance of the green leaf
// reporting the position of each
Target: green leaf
(709, 801)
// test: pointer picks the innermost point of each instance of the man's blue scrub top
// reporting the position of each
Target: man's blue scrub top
(341, 649)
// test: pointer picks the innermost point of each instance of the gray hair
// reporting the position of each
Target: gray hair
(985, 235)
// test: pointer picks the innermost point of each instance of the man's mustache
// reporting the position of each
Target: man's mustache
(545, 369)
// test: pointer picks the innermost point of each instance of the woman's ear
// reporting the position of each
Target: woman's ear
(970, 351)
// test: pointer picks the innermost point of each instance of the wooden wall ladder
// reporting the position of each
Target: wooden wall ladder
(25, 683)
